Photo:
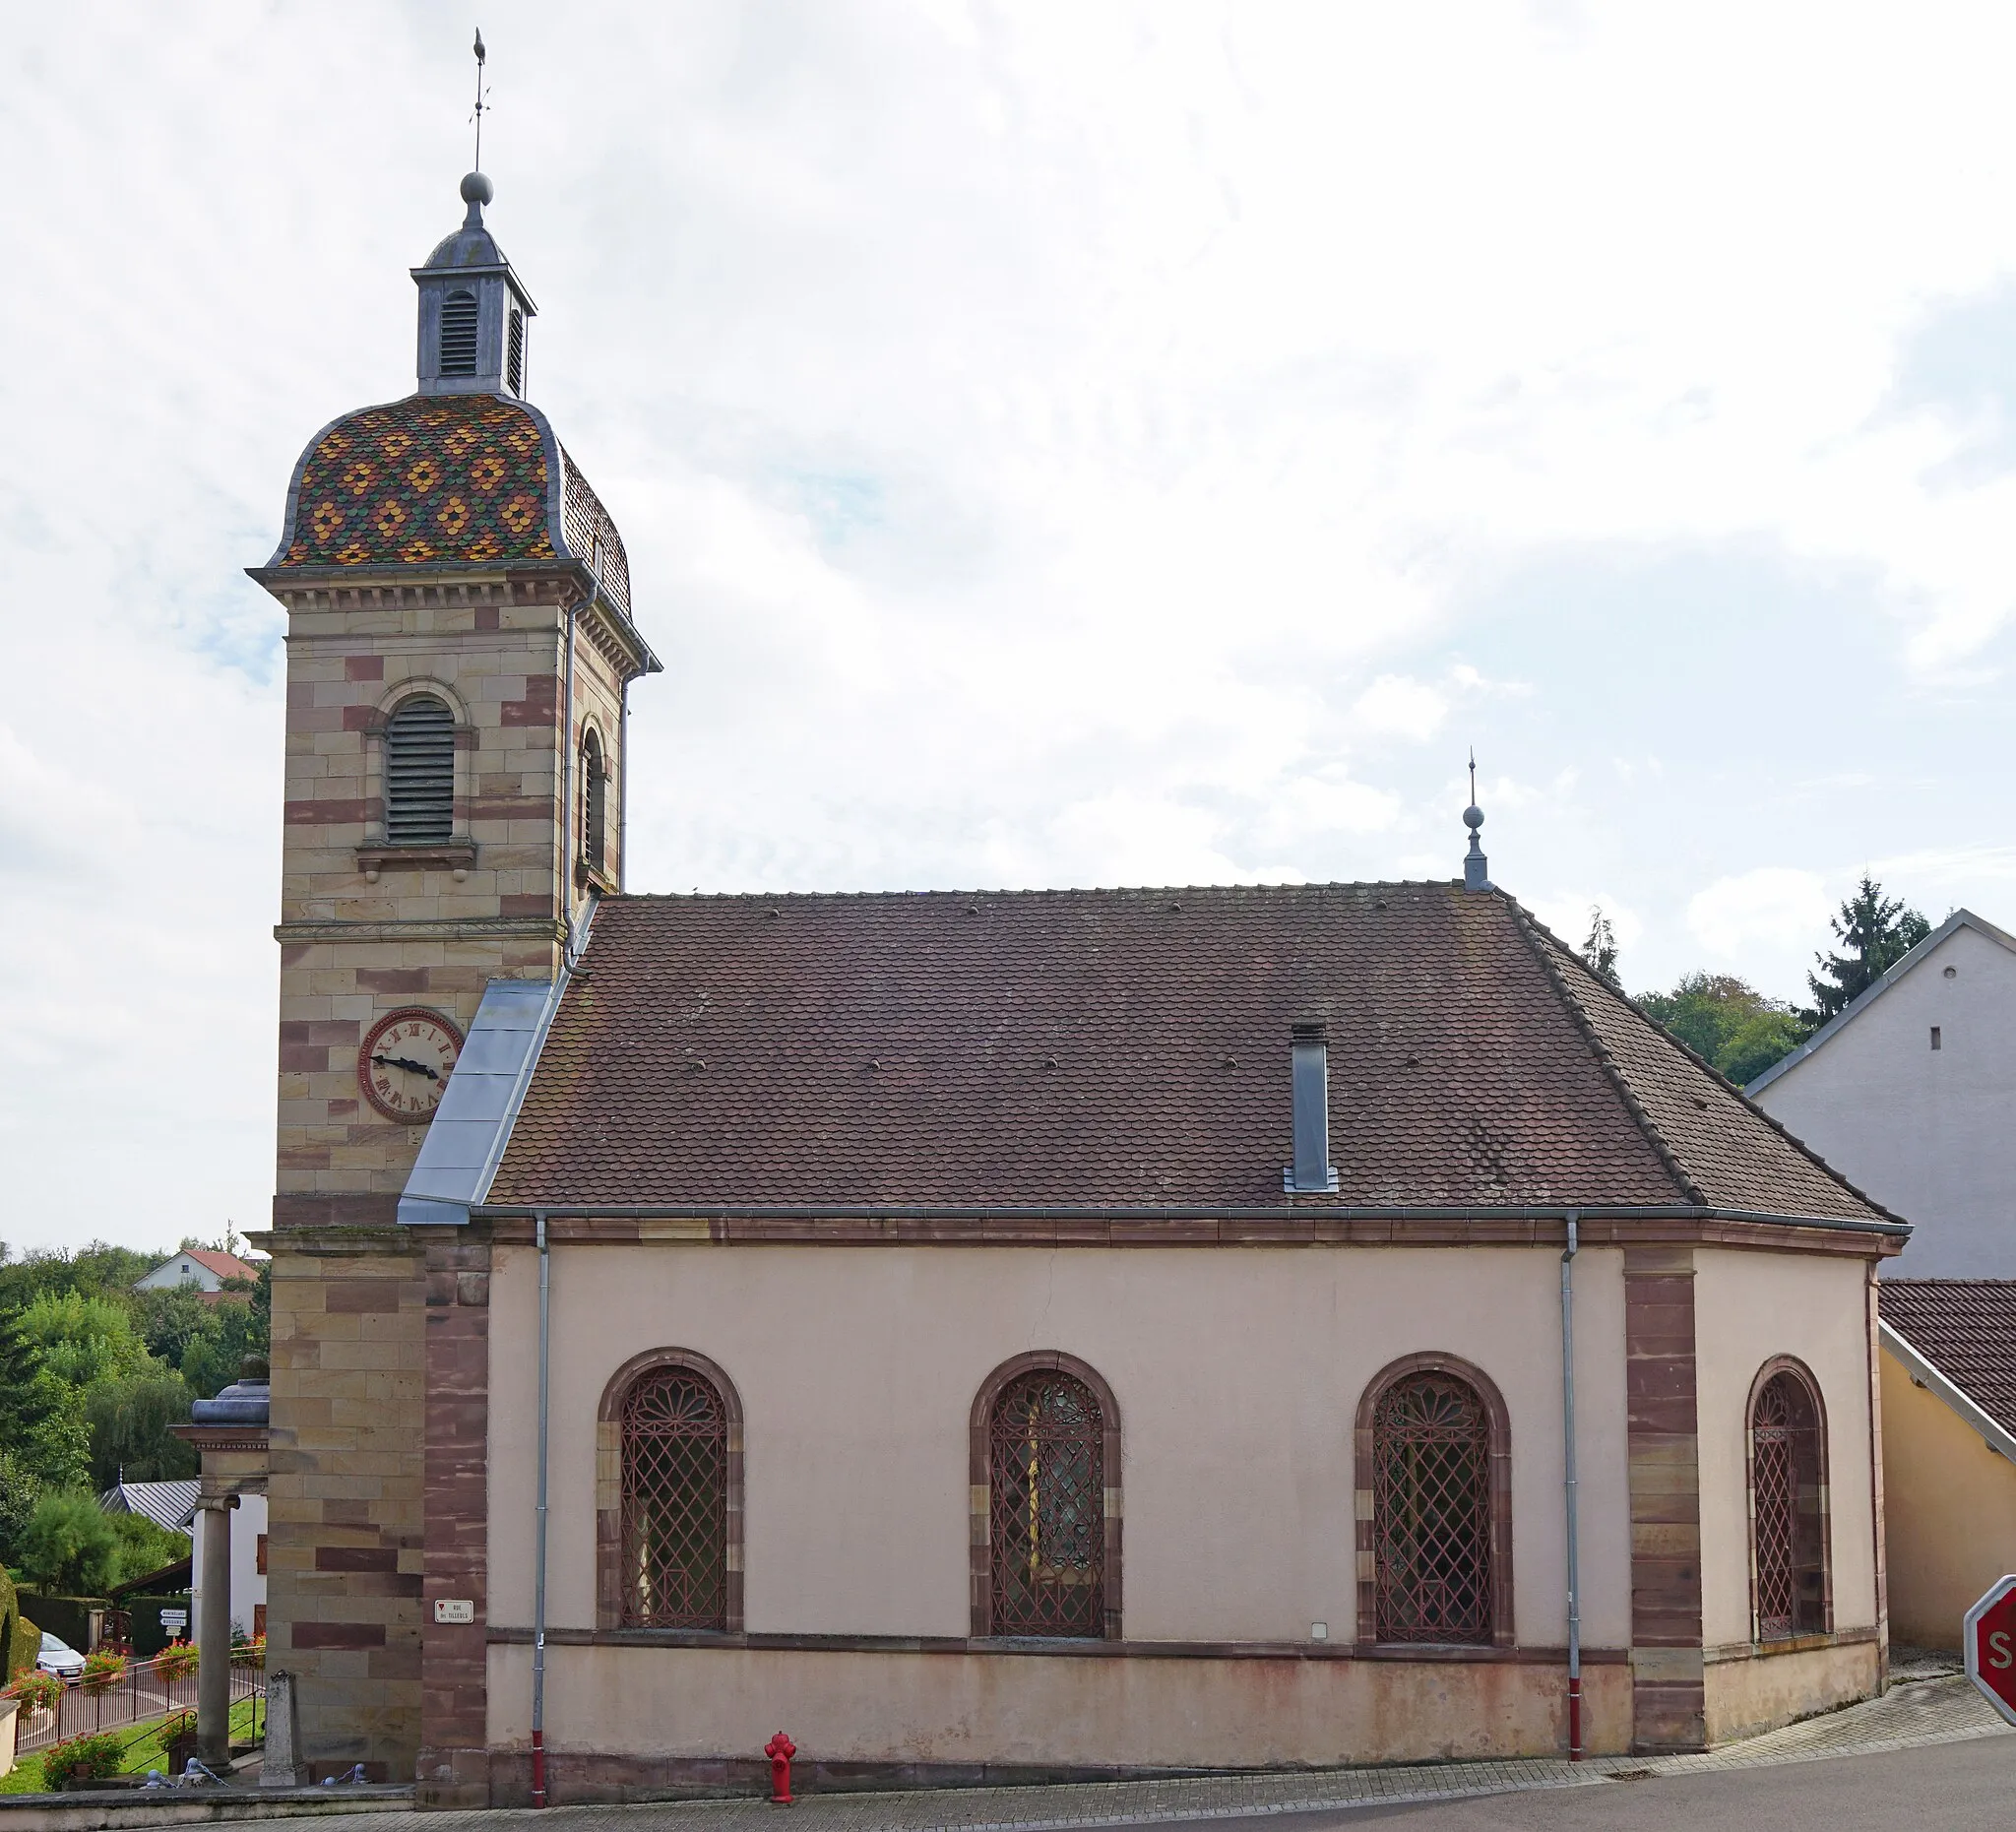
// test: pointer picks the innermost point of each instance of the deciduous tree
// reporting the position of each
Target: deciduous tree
(1726, 1022)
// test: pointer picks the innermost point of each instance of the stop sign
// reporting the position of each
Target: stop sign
(1988, 1636)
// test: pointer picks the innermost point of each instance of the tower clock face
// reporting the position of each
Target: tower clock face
(404, 1065)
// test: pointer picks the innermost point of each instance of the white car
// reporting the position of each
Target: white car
(61, 1659)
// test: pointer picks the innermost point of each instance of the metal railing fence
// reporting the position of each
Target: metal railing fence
(142, 1694)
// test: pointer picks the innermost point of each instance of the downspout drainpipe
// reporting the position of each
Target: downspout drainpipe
(1568, 1465)
(623, 790)
(538, 1564)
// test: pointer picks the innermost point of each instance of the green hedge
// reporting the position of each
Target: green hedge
(20, 1639)
(68, 1618)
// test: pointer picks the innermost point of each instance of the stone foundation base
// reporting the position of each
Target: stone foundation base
(1748, 1692)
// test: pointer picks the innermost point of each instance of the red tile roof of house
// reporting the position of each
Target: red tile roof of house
(1124, 1048)
(1965, 1328)
(224, 1265)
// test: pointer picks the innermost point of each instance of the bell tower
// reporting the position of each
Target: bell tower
(460, 649)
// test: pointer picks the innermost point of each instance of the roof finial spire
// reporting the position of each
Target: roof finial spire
(482, 56)
(476, 189)
(1475, 868)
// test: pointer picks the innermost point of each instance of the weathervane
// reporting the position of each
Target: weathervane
(1472, 748)
(482, 56)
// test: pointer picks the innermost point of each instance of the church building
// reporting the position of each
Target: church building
(989, 1335)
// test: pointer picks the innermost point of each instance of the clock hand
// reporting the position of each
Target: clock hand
(405, 1062)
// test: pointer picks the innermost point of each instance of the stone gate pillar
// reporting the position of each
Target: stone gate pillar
(229, 1433)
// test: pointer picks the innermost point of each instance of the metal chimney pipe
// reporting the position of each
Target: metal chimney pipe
(1309, 1068)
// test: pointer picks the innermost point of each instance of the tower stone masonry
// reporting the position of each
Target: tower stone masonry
(459, 652)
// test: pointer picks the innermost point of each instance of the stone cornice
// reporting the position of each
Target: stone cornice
(459, 928)
(325, 593)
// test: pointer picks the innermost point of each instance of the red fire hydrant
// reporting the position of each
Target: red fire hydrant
(780, 1749)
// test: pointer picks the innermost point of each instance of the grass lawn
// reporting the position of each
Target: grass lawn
(139, 1749)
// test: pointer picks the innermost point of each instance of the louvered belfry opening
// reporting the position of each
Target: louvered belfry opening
(595, 796)
(419, 772)
(514, 355)
(1431, 1512)
(1788, 1519)
(458, 334)
(674, 1502)
(1046, 1516)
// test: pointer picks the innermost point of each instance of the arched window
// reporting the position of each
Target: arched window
(1435, 1507)
(1787, 1504)
(458, 334)
(1047, 1454)
(594, 797)
(419, 772)
(676, 1564)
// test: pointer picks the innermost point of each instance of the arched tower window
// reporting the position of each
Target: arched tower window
(1048, 1443)
(458, 332)
(1435, 1507)
(595, 796)
(1787, 1504)
(419, 772)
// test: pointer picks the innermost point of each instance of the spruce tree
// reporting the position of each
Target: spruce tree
(1875, 933)
(1599, 948)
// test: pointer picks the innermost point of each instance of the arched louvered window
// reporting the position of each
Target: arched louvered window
(673, 1560)
(1050, 1451)
(458, 334)
(419, 772)
(1435, 1507)
(594, 797)
(1787, 1504)
(514, 356)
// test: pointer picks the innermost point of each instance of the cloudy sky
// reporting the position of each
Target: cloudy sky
(1065, 444)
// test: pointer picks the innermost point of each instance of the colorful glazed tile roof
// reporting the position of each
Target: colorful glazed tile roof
(446, 480)
(1124, 1048)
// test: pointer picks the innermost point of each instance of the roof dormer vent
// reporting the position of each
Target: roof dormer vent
(1310, 1175)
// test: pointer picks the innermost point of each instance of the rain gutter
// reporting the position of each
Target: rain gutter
(1169, 1212)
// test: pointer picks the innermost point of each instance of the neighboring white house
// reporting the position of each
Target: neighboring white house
(1911, 1094)
(173, 1505)
(203, 1267)
(248, 1567)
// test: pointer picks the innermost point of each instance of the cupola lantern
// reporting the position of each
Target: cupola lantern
(474, 312)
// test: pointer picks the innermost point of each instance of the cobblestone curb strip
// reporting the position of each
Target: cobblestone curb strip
(1913, 1715)
(93, 1810)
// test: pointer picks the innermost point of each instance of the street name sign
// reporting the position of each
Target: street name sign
(1988, 1638)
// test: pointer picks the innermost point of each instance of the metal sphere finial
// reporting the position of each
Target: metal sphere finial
(1475, 870)
(476, 188)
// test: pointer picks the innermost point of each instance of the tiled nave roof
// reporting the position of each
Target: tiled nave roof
(1122, 1047)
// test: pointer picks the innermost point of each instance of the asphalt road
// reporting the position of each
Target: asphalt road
(1961, 1787)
